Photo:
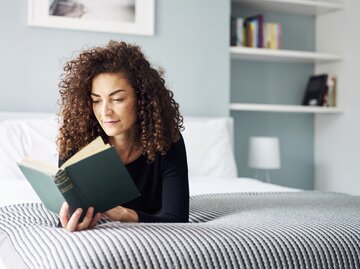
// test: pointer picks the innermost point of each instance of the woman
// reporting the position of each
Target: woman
(114, 92)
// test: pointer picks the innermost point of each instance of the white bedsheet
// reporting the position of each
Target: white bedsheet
(204, 185)
(16, 192)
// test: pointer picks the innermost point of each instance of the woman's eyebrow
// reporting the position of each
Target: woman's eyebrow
(110, 94)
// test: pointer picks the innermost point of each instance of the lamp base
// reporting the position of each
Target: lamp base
(262, 175)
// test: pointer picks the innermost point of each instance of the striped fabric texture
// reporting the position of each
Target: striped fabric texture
(240, 230)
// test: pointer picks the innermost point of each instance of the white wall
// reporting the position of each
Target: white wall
(337, 138)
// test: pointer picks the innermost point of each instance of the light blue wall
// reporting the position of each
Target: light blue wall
(190, 43)
(295, 133)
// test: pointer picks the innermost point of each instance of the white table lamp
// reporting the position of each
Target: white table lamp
(264, 155)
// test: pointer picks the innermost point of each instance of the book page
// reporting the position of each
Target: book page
(92, 148)
(39, 166)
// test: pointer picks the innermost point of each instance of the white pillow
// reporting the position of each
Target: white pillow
(27, 137)
(208, 144)
(209, 147)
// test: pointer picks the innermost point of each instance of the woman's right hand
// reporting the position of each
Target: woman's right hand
(72, 224)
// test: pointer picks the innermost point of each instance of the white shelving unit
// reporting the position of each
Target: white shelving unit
(303, 7)
(284, 108)
(259, 54)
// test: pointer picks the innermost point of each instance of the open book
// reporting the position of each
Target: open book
(94, 176)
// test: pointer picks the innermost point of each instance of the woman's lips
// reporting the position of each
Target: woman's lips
(110, 122)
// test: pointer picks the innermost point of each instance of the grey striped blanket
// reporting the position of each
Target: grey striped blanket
(240, 230)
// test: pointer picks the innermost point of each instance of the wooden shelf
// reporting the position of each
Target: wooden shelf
(260, 54)
(284, 108)
(302, 7)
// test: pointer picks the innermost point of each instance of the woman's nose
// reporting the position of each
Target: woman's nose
(106, 109)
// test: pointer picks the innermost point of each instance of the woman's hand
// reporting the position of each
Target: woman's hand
(121, 213)
(73, 224)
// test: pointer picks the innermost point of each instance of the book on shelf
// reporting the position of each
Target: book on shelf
(95, 176)
(233, 31)
(237, 32)
(330, 94)
(253, 32)
(272, 35)
(320, 91)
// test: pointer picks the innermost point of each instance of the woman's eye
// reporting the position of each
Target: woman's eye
(95, 101)
(118, 99)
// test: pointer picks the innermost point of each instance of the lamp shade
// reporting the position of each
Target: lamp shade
(264, 153)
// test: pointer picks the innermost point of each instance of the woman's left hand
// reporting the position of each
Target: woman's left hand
(72, 224)
(121, 213)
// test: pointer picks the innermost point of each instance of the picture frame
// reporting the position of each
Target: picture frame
(117, 16)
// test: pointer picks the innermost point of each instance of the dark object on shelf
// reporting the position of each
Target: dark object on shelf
(315, 90)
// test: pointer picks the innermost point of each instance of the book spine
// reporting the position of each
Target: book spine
(273, 36)
(233, 31)
(331, 85)
(70, 192)
(240, 32)
(279, 35)
(261, 32)
(254, 29)
(333, 93)
(267, 36)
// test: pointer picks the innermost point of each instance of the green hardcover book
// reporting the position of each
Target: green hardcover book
(94, 176)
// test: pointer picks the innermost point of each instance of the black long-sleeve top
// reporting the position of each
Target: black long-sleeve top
(163, 185)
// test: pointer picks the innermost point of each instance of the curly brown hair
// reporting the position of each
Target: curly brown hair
(158, 118)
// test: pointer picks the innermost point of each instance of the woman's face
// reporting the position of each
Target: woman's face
(114, 103)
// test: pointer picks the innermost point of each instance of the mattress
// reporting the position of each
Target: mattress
(234, 222)
(305, 229)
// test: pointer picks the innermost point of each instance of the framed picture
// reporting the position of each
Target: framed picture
(113, 16)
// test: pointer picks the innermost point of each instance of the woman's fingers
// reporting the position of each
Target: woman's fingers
(73, 224)
(86, 221)
(95, 220)
(64, 214)
(73, 221)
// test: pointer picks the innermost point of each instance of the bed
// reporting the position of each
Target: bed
(234, 222)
